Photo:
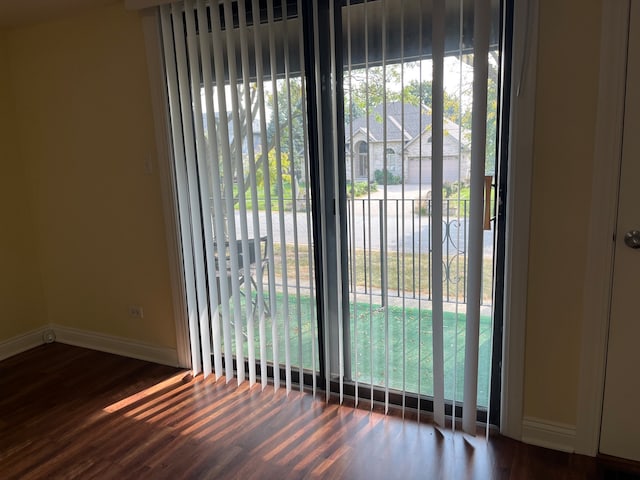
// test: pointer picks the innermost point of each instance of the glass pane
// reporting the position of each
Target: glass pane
(388, 151)
(258, 169)
(283, 204)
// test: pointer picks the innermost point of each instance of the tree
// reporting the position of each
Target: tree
(422, 92)
(246, 116)
(273, 169)
(364, 90)
(290, 113)
(367, 88)
(457, 105)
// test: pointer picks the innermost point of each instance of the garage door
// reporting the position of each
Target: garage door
(416, 175)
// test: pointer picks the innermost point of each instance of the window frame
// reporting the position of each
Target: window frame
(518, 197)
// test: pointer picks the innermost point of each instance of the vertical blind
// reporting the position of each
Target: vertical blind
(253, 109)
(245, 234)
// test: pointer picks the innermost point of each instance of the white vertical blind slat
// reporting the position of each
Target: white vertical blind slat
(420, 266)
(267, 205)
(257, 251)
(384, 227)
(257, 244)
(351, 160)
(227, 169)
(194, 199)
(281, 206)
(294, 191)
(404, 179)
(478, 150)
(454, 399)
(336, 186)
(368, 157)
(213, 173)
(244, 253)
(436, 209)
(176, 90)
(199, 202)
(283, 239)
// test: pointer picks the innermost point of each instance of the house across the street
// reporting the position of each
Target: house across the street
(408, 144)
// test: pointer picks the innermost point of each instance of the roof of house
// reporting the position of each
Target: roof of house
(401, 125)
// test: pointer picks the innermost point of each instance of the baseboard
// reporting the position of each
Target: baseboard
(554, 435)
(115, 345)
(22, 343)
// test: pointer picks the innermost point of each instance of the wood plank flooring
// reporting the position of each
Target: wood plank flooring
(68, 412)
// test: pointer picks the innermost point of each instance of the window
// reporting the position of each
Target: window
(393, 162)
(362, 170)
(289, 273)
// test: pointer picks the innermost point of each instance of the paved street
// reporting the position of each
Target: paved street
(406, 228)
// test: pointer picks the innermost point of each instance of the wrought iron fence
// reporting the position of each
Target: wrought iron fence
(390, 245)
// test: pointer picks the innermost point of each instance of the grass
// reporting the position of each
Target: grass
(410, 330)
(407, 273)
(409, 338)
(261, 202)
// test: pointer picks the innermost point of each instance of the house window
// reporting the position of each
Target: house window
(392, 162)
(362, 169)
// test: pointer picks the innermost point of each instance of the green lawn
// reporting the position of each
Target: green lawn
(410, 337)
(262, 204)
(406, 272)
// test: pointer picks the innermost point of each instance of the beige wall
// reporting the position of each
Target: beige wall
(85, 125)
(21, 295)
(563, 154)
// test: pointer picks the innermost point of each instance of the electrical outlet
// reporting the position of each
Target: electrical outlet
(135, 311)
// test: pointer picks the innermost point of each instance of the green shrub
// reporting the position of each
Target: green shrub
(391, 178)
(360, 188)
(455, 196)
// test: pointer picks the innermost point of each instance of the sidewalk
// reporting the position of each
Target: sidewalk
(395, 191)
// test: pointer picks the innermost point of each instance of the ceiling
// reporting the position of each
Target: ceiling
(18, 13)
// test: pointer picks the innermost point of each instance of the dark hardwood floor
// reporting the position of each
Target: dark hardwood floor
(68, 412)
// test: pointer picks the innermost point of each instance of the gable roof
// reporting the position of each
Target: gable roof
(400, 127)
(403, 126)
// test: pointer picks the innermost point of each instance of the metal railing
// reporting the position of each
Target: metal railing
(390, 248)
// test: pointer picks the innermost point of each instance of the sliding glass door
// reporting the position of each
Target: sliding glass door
(392, 233)
(419, 89)
(334, 165)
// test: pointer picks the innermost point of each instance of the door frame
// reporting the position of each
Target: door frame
(517, 215)
(600, 245)
(150, 19)
(520, 148)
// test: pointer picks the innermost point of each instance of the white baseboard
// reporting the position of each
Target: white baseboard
(554, 435)
(22, 343)
(92, 340)
(116, 345)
